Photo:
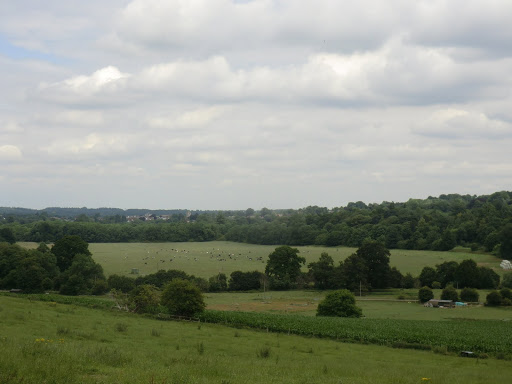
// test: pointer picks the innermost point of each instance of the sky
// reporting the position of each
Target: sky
(224, 104)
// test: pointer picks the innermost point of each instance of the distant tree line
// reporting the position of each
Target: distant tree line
(436, 223)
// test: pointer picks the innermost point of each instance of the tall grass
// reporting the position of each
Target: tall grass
(34, 352)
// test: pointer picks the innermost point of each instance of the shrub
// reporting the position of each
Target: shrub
(182, 298)
(121, 283)
(450, 293)
(99, 287)
(341, 303)
(425, 294)
(506, 302)
(144, 299)
(469, 294)
(493, 299)
(507, 280)
(408, 281)
(506, 293)
(436, 285)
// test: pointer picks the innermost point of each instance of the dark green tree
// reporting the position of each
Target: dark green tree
(427, 276)
(7, 235)
(121, 283)
(341, 303)
(395, 278)
(245, 281)
(355, 273)
(487, 278)
(505, 238)
(445, 272)
(67, 247)
(218, 283)
(425, 294)
(182, 298)
(284, 264)
(81, 276)
(493, 299)
(506, 293)
(507, 280)
(467, 274)
(376, 257)
(322, 271)
(408, 281)
(449, 293)
(469, 295)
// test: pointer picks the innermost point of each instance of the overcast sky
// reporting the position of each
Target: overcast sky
(223, 104)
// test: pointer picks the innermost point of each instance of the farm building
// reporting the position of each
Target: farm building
(440, 303)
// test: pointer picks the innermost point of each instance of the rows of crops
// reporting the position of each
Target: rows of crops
(486, 336)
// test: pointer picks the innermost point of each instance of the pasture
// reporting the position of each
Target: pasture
(209, 258)
(205, 259)
(378, 305)
(50, 342)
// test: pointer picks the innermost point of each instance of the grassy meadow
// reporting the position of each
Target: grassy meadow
(57, 343)
(209, 258)
(378, 305)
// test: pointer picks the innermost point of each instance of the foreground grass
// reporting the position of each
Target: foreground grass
(209, 258)
(57, 343)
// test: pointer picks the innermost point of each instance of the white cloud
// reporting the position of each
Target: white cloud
(92, 145)
(319, 102)
(462, 124)
(10, 152)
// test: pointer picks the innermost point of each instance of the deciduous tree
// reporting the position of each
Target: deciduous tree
(183, 298)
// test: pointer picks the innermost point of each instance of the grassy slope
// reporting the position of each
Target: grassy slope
(88, 347)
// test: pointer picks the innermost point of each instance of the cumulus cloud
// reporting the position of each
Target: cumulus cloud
(394, 74)
(319, 102)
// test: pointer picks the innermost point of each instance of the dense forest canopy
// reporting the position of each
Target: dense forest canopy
(435, 223)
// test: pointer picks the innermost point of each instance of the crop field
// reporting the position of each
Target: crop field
(209, 258)
(50, 342)
(458, 335)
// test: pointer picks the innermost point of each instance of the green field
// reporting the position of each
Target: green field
(205, 259)
(57, 343)
(209, 258)
(378, 305)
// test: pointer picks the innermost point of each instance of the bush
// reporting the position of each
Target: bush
(469, 294)
(506, 293)
(507, 280)
(493, 299)
(425, 294)
(450, 293)
(121, 283)
(99, 287)
(436, 285)
(144, 299)
(341, 303)
(182, 298)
